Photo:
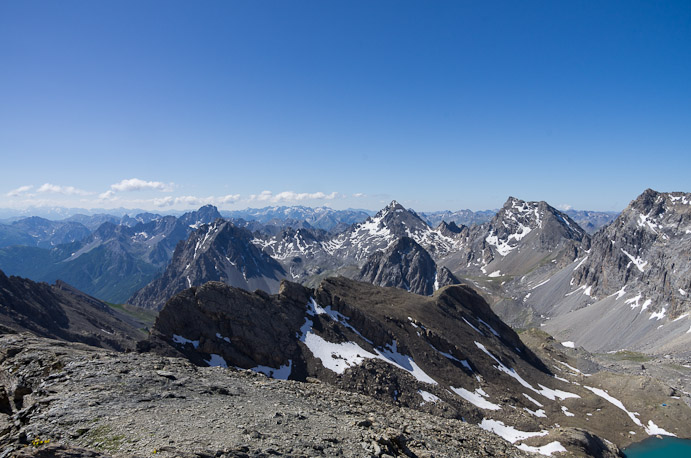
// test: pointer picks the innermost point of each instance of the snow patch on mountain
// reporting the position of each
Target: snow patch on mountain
(338, 357)
(476, 398)
(640, 264)
(282, 373)
(509, 433)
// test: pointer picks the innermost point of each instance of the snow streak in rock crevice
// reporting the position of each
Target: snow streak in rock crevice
(549, 393)
(652, 429)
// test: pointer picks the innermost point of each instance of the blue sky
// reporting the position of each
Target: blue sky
(440, 105)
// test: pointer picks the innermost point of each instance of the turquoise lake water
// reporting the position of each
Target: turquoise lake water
(668, 447)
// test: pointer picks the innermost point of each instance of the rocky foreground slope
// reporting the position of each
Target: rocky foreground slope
(93, 403)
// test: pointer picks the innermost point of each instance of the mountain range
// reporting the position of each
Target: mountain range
(114, 260)
(395, 309)
(519, 258)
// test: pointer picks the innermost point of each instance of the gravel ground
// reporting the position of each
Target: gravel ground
(88, 401)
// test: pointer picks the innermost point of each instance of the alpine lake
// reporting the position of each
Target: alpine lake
(668, 447)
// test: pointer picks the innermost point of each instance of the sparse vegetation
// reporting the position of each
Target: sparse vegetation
(628, 355)
(102, 437)
(147, 317)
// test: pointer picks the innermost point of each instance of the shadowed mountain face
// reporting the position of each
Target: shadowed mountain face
(215, 252)
(446, 354)
(332, 331)
(405, 265)
(62, 312)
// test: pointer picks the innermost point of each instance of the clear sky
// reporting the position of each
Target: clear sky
(440, 105)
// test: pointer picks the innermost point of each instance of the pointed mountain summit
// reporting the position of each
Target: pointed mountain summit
(520, 237)
(386, 227)
(205, 215)
(450, 229)
(215, 252)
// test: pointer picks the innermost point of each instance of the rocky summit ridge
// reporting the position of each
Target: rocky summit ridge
(520, 237)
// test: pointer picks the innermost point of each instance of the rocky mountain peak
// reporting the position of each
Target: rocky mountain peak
(376, 232)
(643, 255)
(105, 231)
(205, 215)
(394, 205)
(219, 251)
(395, 211)
(452, 226)
(654, 205)
(517, 219)
(449, 229)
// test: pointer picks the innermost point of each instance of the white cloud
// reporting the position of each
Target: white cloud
(290, 196)
(164, 201)
(57, 189)
(108, 195)
(19, 190)
(135, 184)
(264, 196)
(564, 207)
(359, 195)
(229, 199)
(170, 201)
